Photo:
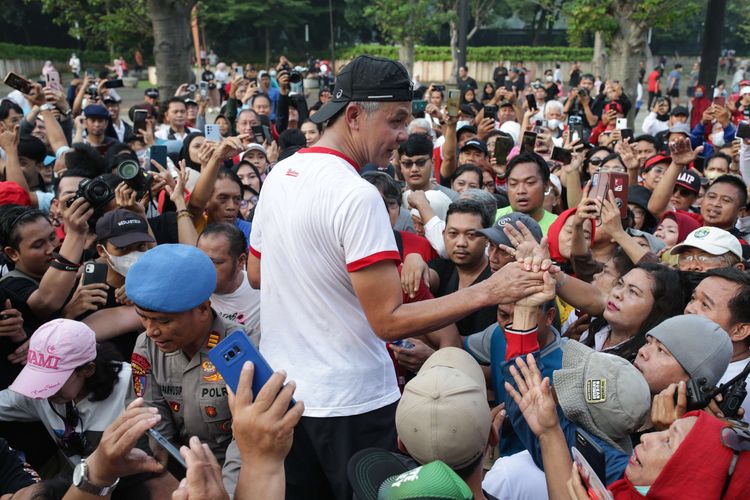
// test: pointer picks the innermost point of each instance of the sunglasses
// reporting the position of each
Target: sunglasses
(684, 192)
(737, 440)
(596, 161)
(420, 163)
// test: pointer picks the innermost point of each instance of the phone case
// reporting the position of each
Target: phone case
(213, 132)
(503, 145)
(94, 272)
(452, 102)
(594, 485)
(231, 353)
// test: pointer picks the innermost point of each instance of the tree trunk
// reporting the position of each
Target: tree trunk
(628, 45)
(598, 61)
(714, 28)
(268, 47)
(171, 23)
(454, 49)
(406, 54)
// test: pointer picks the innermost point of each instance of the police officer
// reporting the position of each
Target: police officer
(170, 286)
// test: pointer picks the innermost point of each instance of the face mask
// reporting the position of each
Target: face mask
(122, 263)
(699, 94)
(743, 224)
(717, 139)
(712, 175)
(548, 78)
(462, 123)
(553, 124)
(643, 490)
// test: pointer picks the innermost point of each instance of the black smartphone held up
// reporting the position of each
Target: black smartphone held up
(699, 163)
(94, 272)
(503, 145)
(528, 141)
(531, 101)
(175, 464)
(19, 83)
(113, 84)
(159, 154)
(626, 134)
(743, 130)
(591, 452)
(490, 111)
(139, 119)
(258, 133)
(564, 156)
(267, 134)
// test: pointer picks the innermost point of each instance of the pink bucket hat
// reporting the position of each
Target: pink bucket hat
(55, 350)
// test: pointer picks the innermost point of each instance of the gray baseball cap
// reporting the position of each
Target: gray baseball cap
(701, 346)
(496, 235)
(654, 243)
(603, 393)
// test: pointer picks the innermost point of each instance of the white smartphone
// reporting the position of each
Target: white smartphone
(212, 132)
(621, 123)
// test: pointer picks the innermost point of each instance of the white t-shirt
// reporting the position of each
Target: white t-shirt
(733, 370)
(316, 221)
(242, 306)
(517, 477)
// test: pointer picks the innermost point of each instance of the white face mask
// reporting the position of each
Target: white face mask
(554, 124)
(462, 123)
(548, 78)
(717, 139)
(122, 263)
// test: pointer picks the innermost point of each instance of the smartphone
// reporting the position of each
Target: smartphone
(258, 133)
(403, 343)
(418, 106)
(139, 119)
(503, 145)
(231, 353)
(531, 101)
(239, 72)
(53, 80)
(490, 111)
(743, 130)
(176, 464)
(564, 156)
(699, 163)
(626, 134)
(594, 484)
(159, 154)
(203, 89)
(212, 132)
(617, 182)
(454, 96)
(509, 85)
(113, 84)
(19, 83)
(621, 123)
(267, 133)
(720, 101)
(528, 141)
(94, 272)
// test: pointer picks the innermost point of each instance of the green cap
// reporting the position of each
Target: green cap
(431, 481)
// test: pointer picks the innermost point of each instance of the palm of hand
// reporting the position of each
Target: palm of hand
(539, 409)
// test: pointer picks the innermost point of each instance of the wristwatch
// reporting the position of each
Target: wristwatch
(81, 481)
(46, 107)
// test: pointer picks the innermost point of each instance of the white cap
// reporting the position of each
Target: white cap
(745, 90)
(712, 240)
(254, 146)
(555, 181)
(512, 128)
(439, 202)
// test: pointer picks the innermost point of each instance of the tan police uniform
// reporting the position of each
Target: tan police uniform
(190, 394)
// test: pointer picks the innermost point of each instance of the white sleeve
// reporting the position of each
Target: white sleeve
(648, 122)
(433, 231)
(363, 229)
(15, 407)
(745, 164)
(256, 241)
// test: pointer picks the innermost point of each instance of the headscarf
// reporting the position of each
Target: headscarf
(185, 151)
(553, 235)
(697, 469)
(685, 224)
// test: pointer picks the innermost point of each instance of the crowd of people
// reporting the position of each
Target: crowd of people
(498, 292)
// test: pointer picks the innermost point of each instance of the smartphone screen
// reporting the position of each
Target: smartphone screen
(19, 83)
(564, 156)
(503, 145)
(490, 111)
(139, 119)
(743, 130)
(531, 101)
(528, 142)
(159, 154)
(231, 353)
(113, 84)
(452, 103)
(176, 464)
(720, 101)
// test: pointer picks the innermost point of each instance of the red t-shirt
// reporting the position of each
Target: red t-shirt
(652, 78)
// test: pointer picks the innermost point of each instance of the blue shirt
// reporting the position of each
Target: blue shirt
(245, 227)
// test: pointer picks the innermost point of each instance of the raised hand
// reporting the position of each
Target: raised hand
(533, 396)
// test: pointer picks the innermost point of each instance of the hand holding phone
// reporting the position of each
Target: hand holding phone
(531, 101)
(452, 104)
(19, 83)
(528, 141)
(94, 272)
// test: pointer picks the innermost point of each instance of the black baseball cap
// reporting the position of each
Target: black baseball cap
(122, 228)
(152, 92)
(478, 144)
(367, 78)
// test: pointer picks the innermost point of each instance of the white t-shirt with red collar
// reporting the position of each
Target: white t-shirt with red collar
(316, 221)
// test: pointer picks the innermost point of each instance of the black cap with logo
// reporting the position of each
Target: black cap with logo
(122, 228)
(367, 78)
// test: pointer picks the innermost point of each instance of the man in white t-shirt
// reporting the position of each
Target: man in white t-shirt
(324, 256)
(233, 299)
(724, 298)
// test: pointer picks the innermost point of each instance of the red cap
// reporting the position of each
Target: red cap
(13, 194)
(656, 159)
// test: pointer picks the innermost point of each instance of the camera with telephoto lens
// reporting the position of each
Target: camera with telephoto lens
(134, 177)
(96, 191)
(295, 76)
(583, 92)
(92, 90)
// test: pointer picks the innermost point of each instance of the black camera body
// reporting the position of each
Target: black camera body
(96, 191)
(698, 394)
(582, 92)
(733, 393)
(295, 77)
(134, 177)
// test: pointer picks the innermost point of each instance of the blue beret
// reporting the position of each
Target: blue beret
(171, 279)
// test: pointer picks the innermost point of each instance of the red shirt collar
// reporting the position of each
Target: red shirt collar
(329, 151)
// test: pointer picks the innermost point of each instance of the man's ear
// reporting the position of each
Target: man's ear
(740, 332)
(12, 254)
(242, 261)
(100, 250)
(352, 114)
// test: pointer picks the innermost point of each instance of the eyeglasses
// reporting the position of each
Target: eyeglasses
(702, 259)
(737, 440)
(419, 163)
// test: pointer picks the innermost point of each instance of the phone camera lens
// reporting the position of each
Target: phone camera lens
(231, 354)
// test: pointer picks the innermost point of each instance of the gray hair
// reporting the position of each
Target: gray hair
(553, 104)
(422, 123)
(485, 199)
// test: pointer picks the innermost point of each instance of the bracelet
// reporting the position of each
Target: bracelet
(183, 215)
(63, 267)
(63, 260)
